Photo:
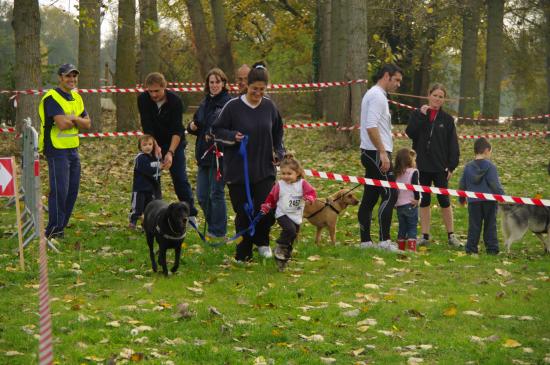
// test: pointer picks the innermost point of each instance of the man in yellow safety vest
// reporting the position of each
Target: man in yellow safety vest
(62, 116)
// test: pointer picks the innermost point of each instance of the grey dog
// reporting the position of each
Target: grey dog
(167, 224)
(517, 219)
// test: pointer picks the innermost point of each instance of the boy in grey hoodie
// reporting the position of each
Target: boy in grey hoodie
(480, 175)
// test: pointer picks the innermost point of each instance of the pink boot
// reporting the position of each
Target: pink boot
(411, 245)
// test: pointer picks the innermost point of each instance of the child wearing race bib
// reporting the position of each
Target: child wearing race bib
(288, 197)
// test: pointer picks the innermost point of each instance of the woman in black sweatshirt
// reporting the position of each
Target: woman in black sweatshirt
(435, 142)
(257, 117)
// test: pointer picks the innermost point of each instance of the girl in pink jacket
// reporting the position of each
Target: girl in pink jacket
(288, 197)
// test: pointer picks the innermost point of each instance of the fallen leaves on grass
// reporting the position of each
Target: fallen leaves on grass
(195, 290)
(184, 311)
(312, 338)
(473, 313)
(450, 312)
(139, 329)
(344, 305)
(314, 258)
(371, 286)
(352, 313)
(13, 353)
(502, 272)
(511, 343)
(367, 322)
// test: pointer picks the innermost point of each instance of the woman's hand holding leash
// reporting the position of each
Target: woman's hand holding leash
(167, 162)
(424, 109)
(239, 136)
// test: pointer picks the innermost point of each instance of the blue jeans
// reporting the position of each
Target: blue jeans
(64, 174)
(178, 171)
(408, 221)
(482, 215)
(211, 197)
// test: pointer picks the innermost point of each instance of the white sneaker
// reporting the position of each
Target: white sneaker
(367, 244)
(422, 242)
(454, 242)
(265, 251)
(388, 246)
(192, 219)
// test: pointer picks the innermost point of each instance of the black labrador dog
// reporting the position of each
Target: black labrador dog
(167, 224)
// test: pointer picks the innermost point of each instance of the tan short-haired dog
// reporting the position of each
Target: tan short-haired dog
(324, 213)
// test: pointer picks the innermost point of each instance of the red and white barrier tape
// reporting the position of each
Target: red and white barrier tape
(320, 125)
(193, 88)
(535, 117)
(427, 189)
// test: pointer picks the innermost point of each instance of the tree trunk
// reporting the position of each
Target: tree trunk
(223, 45)
(201, 37)
(125, 76)
(26, 27)
(357, 59)
(339, 99)
(493, 64)
(422, 74)
(321, 54)
(149, 49)
(89, 43)
(469, 84)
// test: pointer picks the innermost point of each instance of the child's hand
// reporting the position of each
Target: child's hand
(414, 203)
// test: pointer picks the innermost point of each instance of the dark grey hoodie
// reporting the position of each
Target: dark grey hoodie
(480, 176)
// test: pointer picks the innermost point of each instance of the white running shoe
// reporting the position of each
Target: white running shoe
(367, 244)
(388, 246)
(265, 251)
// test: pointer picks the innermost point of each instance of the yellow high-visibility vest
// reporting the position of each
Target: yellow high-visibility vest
(61, 139)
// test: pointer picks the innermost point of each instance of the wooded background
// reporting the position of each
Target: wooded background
(495, 53)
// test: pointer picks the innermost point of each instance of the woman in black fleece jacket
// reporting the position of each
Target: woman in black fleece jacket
(210, 187)
(435, 142)
(257, 117)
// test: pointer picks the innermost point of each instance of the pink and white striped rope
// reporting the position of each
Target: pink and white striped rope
(427, 189)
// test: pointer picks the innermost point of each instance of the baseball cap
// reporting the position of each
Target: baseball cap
(67, 69)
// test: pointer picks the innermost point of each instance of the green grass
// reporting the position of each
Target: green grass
(267, 314)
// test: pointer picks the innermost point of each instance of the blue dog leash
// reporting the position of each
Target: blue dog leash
(249, 205)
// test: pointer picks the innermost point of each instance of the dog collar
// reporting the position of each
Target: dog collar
(167, 236)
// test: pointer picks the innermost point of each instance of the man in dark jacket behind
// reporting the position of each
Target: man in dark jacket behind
(161, 113)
